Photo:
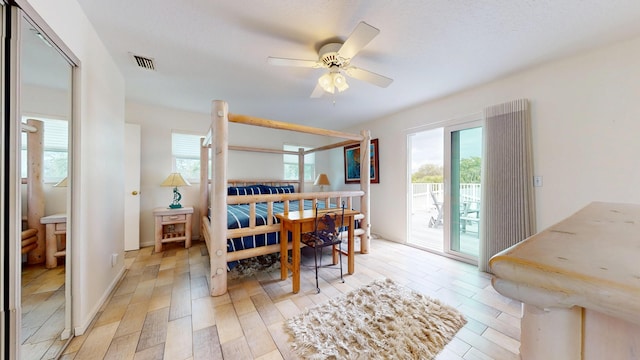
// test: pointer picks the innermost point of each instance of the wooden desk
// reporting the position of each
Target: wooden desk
(56, 229)
(298, 222)
(172, 225)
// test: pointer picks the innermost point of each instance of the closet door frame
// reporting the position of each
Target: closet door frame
(13, 14)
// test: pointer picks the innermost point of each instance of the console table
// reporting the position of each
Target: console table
(172, 225)
(579, 281)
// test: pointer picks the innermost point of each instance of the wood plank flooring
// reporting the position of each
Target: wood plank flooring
(161, 308)
(43, 307)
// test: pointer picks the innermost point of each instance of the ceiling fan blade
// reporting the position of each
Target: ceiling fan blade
(318, 91)
(368, 76)
(293, 62)
(359, 38)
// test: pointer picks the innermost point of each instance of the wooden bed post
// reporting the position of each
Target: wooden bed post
(35, 190)
(204, 177)
(301, 170)
(220, 150)
(365, 185)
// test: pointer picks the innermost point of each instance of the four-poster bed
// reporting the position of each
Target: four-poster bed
(261, 202)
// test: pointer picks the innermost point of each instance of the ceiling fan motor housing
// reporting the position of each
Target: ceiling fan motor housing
(330, 57)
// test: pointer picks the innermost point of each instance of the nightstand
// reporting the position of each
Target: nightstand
(173, 225)
(55, 238)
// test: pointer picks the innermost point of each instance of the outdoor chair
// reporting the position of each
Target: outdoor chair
(436, 221)
(327, 233)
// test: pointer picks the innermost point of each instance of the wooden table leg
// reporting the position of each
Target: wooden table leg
(51, 246)
(187, 232)
(284, 256)
(351, 245)
(338, 248)
(295, 258)
(158, 236)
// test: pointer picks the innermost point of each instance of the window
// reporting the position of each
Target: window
(55, 150)
(291, 164)
(185, 150)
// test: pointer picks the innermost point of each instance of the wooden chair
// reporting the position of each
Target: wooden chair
(469, 214)
(327, 232)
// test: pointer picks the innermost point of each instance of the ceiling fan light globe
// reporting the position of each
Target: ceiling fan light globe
(326, 82)
(343, 87)
(340, 82)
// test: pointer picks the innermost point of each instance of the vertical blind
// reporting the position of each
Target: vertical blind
(507, 185)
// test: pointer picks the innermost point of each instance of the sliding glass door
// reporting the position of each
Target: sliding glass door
(463, 175)
(445, 178)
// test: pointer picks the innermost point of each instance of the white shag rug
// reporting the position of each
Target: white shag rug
(382, 320)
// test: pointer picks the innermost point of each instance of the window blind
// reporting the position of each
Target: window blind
(185, 145)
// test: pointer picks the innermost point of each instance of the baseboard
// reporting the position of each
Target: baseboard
(79, 330)
(147, 244)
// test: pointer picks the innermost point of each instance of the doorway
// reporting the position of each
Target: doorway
(444, 182)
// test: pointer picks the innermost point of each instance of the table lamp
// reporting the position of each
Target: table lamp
(174, 180)
(322, 180)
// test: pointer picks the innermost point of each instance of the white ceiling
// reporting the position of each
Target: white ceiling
(205, 49)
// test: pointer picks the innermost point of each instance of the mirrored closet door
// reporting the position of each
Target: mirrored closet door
(45, 112)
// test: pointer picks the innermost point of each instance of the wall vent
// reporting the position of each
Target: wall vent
(144, 62)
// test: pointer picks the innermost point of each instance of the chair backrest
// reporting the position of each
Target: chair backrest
(436, 203)
(328, 226)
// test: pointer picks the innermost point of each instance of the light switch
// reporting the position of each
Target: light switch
(537, 181)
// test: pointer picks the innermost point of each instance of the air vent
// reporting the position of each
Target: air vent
(144, 62)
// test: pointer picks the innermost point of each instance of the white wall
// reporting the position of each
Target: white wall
(98, 188)
(157, 123)
(586, 123)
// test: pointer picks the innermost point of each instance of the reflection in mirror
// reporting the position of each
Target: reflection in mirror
(45, 108)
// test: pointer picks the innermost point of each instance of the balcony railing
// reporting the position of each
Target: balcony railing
(422, 200)
(426, 234)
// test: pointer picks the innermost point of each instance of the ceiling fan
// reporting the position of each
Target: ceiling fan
(336, 57)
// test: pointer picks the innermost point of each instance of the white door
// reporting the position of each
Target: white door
(132, 187)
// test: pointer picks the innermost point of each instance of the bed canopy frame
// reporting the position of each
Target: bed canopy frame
(215, 231)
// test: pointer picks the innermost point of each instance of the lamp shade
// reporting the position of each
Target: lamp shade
(175, 180)
(322, 180)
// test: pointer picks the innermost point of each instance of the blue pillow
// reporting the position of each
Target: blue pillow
(244, 190)
(286, 189)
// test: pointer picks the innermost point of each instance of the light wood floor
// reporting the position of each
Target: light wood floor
(162, 310)
(43, 306)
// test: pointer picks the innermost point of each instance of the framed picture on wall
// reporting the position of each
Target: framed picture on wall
(352, 163)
